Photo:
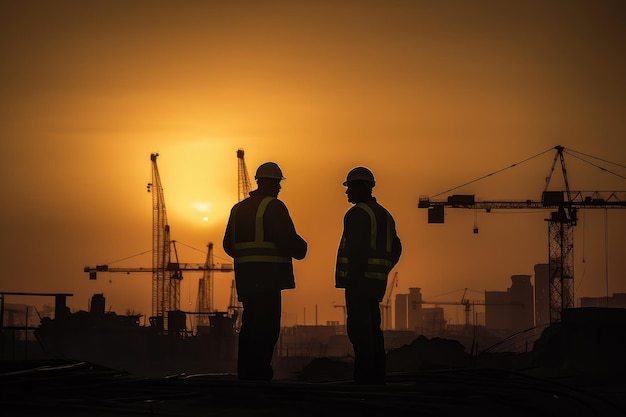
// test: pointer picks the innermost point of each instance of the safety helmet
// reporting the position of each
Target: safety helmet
(269, 170)
(360, 173)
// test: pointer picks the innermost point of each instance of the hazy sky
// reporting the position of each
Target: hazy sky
(428, 94)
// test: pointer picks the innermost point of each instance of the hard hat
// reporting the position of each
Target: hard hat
(360, 173)
(269, 170)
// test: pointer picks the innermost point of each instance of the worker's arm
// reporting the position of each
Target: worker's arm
(228, 241)
(281, 230)
(356, 225)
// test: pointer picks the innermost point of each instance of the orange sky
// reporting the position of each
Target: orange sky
(429, 95)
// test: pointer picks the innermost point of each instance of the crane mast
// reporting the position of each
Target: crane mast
(561, 245)
(206, 291)
(560, 226)
(243, 180)
(165, 283)
(243, 190)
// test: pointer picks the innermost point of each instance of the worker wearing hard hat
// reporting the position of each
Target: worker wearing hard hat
(368, 250)
(261, 238)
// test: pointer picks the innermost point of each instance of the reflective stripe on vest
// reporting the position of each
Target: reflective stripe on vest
(378, 263)
(259, 250)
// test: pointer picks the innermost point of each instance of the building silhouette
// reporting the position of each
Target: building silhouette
(511, 311)
(617, 300)
(401, 312)
(506, 312)
(415, 310)
(542, 294)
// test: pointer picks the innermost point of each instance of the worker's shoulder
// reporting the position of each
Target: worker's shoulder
(255, 200)
(275, 203)
(364, 209)
(375, 204)
(248, 203)
(357, 211)
(367, 206)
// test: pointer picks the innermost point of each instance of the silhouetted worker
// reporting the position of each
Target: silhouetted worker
(368, 250)
(262, 240)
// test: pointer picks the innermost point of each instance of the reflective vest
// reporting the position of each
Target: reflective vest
(259, 250)
(379, 261)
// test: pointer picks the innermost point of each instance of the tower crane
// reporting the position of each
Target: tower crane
(560, 225)
(165, 284)
(166, 269)
(205, 303)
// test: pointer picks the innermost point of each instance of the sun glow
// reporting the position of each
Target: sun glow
(203, 207)
(210, 212)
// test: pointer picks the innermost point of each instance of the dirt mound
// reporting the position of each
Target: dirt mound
(425, 354)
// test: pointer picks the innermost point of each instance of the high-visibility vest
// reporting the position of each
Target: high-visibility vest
(379, 261)
(259, 250)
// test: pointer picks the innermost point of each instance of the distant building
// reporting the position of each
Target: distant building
(511, 310)
(401, 312)
(542, 294)
(522, 302)
(498, 310)
(415, 316)
(506, 312)
(434, 322)
(617, 300)
(411, 315)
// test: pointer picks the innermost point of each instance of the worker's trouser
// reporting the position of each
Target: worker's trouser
(363, 327)
(260, 329)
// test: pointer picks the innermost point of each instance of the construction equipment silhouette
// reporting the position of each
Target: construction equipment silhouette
(166, 269)
(560, 223)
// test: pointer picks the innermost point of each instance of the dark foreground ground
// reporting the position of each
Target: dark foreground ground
(66, 388)
(576, 368)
